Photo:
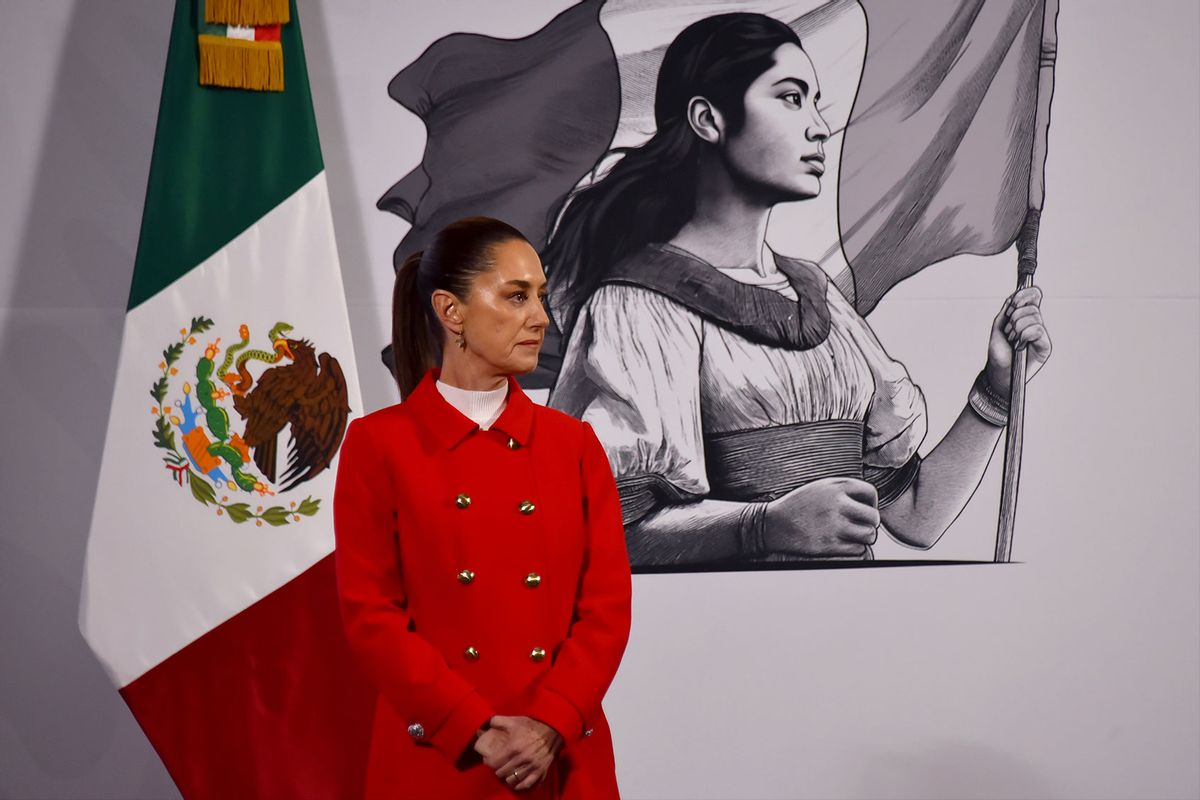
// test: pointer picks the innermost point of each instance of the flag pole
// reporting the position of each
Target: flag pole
(1026, 266)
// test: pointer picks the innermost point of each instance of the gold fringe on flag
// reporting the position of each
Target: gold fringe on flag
(247, 13)
(241, 64)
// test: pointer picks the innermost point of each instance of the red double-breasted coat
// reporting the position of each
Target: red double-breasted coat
(481, 573)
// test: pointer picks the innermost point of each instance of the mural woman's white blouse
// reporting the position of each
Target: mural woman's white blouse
(653, 377)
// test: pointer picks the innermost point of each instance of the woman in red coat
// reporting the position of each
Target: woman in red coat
(480, 555)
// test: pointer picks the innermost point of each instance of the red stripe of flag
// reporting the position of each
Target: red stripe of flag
(269, 704)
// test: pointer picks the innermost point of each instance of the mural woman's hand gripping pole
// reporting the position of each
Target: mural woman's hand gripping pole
(1019, 341)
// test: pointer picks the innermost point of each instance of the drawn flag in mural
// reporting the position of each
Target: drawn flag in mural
(938, 152)
(932, 105)
(209, 592)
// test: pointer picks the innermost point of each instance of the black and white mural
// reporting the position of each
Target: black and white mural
(721, 193)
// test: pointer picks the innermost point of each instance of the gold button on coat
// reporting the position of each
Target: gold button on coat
(512, 443)
(462, 501)
(532, 580)
(526, 507)
(471, 653)
(466, 576)
(537, 654)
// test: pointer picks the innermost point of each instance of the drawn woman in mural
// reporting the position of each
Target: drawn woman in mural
(749, 412)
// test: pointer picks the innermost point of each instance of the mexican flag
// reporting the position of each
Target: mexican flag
(209, 592)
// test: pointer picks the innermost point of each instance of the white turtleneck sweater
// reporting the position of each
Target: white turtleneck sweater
(483, 407)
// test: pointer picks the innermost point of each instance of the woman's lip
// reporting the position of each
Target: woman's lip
(532, 343)
(817, 163)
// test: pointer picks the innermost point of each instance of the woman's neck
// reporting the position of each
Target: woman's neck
(463, 370)
(729, 226)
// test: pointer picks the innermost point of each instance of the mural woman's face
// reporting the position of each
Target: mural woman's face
(780, 148)
(504, 319)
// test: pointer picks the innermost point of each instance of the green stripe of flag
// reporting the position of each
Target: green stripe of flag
(222, 158)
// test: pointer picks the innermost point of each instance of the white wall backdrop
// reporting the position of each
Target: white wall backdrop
(1074, 673)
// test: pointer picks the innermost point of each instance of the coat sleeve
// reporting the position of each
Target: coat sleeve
(568, 698)
(409, 672)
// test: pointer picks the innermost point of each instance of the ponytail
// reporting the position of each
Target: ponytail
(414, 347)
(647, 196)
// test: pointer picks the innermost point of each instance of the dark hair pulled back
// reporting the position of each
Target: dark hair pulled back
(456, 255)
(650, 193)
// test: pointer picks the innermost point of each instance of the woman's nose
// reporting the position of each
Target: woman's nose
(818, 128)
(540, 316)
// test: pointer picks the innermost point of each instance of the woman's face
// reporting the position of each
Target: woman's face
(504, 319)
(780, 148)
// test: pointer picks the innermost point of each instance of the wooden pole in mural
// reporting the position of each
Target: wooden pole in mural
(1026, 266)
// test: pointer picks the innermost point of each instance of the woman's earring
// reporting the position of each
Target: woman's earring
(461, 341)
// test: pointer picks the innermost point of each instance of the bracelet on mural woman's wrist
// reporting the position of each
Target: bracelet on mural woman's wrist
(752, 525)
(989, 404)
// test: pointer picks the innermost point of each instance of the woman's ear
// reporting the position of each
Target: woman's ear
(706, 120)
(448, 310)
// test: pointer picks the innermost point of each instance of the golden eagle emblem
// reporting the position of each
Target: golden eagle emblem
(300, 391)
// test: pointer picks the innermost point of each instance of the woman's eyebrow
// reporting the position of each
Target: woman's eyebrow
(803, 84)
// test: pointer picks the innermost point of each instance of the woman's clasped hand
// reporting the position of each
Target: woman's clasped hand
(519, 749)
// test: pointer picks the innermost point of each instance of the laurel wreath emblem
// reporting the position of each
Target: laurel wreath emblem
(182, 467)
